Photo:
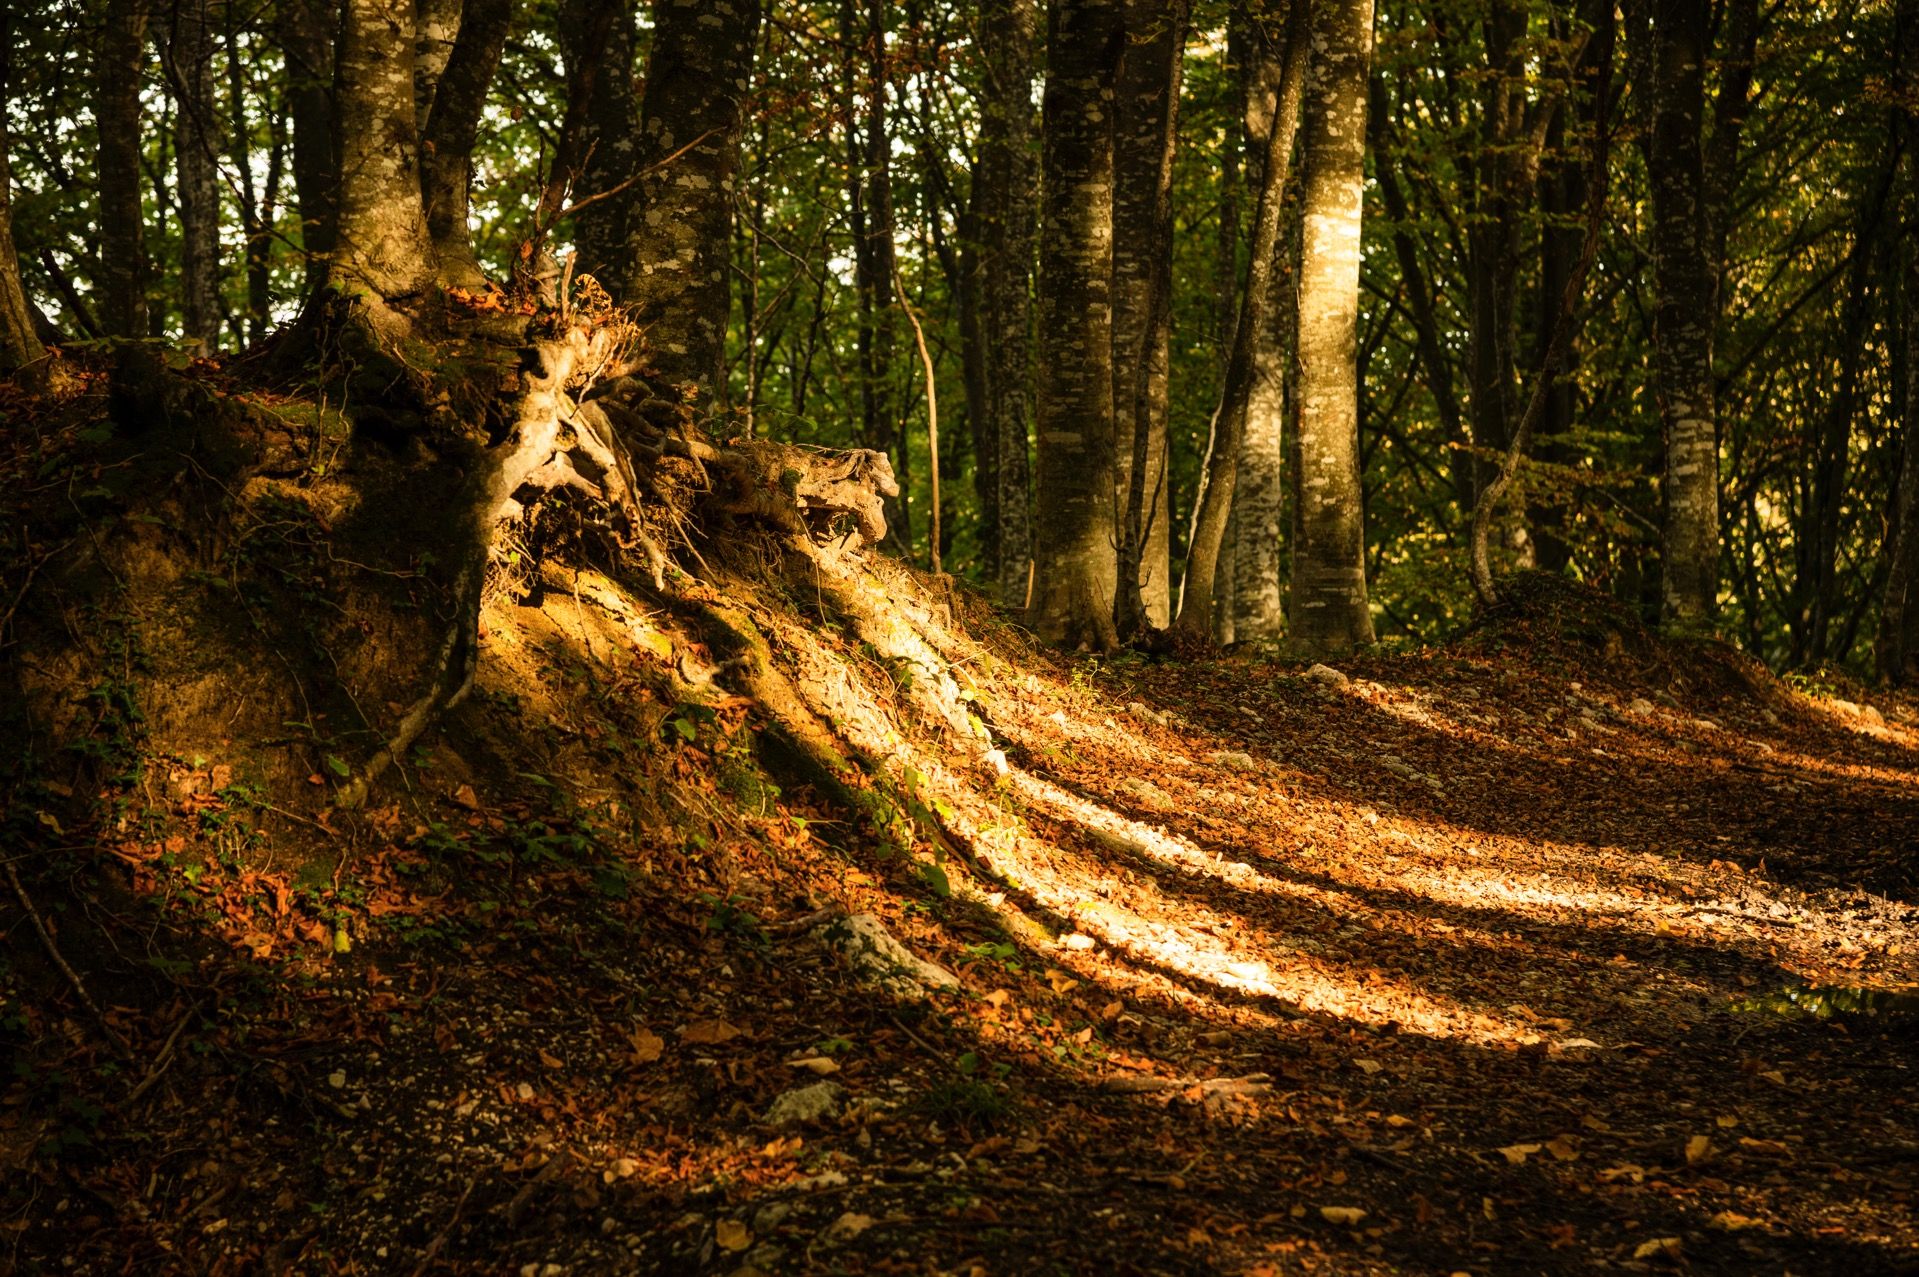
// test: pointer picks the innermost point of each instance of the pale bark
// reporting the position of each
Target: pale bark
(1197, 595)
(597, 41)
(869, 171)
(1894, 649)
(19, 344)
(188, 46)
(1329, 564)
(436, 24)
(698, 74)
(1684, 276)
(382, 244)
(122, 282)
(453, 126)
(1074, 552)
(1146, 122)
(1005, 217)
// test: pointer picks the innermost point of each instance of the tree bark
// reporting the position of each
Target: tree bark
(1145, 133)
(257, 206)
(698, 73)
(306, 31)
(19, 344)
(453, 126)
(601, 70)
(122, 286)
(1005, 202)
(1684, 277)
(1074, 552)
(1492, 237)
(383, 244)
(1197, 593)
(869, 169)
(1893, 649)
(188, 47)
(1329, 562)
(436, 27)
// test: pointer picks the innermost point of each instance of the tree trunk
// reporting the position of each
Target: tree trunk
(608, 129)
(306, 33)
(1145, 132)
(869, 148)
(19, 344)
(257, 206)
(383, 244)
(436, 27)
(453, 126)
(1329, 560)
(1005, 215)
(1492, 238)
(188, 47)
(1075, 540)
(1684, 276)
(122, 286)
(1893, 649)
(1259, 488)
(698, 73)
(1214, 505)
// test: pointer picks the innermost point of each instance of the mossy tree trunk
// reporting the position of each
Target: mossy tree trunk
(122, 305)
(383, 245)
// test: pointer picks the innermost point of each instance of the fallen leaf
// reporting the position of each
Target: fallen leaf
(1061, 982)
(1347, 1215)
(1518, 1153)
(1698, 1149)
(848, 1226)
(1727, 1122)
(732, 1235)
(551, 1061)
(1772, 1148)
(1368, 1067)
(1774, 1076)
(1613, 1174)
(1564, 1147)
(817, 1064)
(465, 796)
(709, 1032)
(1662, 1247)
(646, 1044)
(1727, 1221)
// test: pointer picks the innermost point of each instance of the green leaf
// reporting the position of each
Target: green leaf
(337, 766)
(936, 878)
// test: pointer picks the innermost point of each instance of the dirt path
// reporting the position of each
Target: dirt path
(1437, 963)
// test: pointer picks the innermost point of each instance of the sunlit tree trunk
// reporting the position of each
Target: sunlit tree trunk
(1200, 592)
(1684, 275)
(1329, 564)
(121, 307)
(698, 73)
(1004, 219)
(305, 29)
(188, 48)
(382, 240)
(436, 24)
(1075, 533)
(1259, 488)
(453, 126)
(1146, 107)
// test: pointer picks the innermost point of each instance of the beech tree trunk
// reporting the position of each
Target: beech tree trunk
(188, 46)
(19, 344)
(1199, 595)
(1685, 278)
(1893, 648)
(698, 72)
(436, 25)
(1259, 486)
(305, 29)
(453, 126)
(1329, 561)
(1074, 552)
(869, 148)
(1145, 132)
(1005, 209)
(597, 42)
(122, 302)
(1492, 237)
(383, 244)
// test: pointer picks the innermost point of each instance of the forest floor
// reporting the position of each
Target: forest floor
(1555, 949)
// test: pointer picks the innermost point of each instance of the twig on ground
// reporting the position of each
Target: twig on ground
(434, 1247)
(53, 953)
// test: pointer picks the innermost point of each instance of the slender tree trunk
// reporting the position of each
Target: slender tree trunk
(1561, 192)
(597, 40)
(698, 73)
(1685, 277)
(1492, 238)
(436, 26)
(1004, 219)
(1145, 132)
(383, 244)
(188, 48)
(122, 286)
(1259, 489)
(256, 205)
(453, 126)
(306, 30)
(19, 343)
(1198, 592)
(1329, 558)
(1893, 649)
(1075, 540)
(869, 148)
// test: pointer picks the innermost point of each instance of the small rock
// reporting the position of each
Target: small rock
(1147, 794)
(1075, 940)
(1640, 706)
(1326, 676)
(1232, 758)
(770, 1216)
(815, 1103)
(336, 1079)
(871, 948)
